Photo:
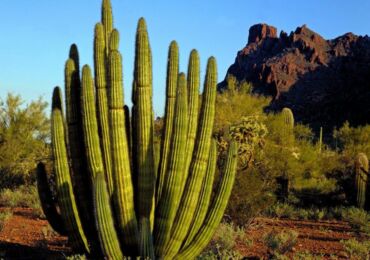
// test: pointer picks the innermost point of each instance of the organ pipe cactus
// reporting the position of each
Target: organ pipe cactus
(361, 179)
(119, 196)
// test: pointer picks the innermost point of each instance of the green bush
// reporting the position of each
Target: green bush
(223, 242)
(280, 243)
(24, 134)
(356, 249)
(358, 219)
(23, 196)
(281, 210)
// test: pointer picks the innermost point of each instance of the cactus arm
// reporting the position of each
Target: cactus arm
(107, 21)
(216, 210)
(143, 122)
(193, 82)
(102, 101)
(171, 85)
(123, 189)
(205, 195)
(66, 198)
(108, 238)
(79, 174)
(114, 40)
(198, 167)
(168, 204)
(49, 206)
(90, 125)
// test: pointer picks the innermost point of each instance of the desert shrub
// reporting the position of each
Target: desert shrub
(24, 133)
(357, 218)
(281, 210)
(356, 249)
(4, 216)
(23, 196)
(240, 116)
(352, 140)
(222, 245)
(280, 243)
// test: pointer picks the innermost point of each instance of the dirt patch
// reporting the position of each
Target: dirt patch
(320, 238)
(25, 236)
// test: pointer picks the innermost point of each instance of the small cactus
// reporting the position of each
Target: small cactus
(361, 179)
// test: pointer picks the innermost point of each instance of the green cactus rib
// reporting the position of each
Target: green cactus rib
(167, 206)
(107, 21)
(48, 204)
(108, 238)
(123, 195)
(216, 210)
(102, 101)
(361, 179)
(143, 122)
(171, 86)
(66, 198)
(205, 196)
(198, 167)
(90, 124)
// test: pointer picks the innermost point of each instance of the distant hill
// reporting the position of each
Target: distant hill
(324, 82)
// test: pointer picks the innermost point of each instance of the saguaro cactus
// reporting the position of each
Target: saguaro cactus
(287, 142)
(137, 209)
(361, 179)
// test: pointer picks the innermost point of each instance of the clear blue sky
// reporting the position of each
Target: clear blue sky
(36, 34)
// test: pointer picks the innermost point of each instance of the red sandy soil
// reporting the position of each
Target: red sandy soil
(25, 236)
(319, 238)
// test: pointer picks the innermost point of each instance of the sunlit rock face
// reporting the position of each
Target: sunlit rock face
(324, 82)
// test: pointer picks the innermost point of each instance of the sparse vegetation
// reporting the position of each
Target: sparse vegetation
(223, 243)
(23, 196)
(280, 243)
(357, 250)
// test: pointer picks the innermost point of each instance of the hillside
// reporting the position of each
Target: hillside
(324, 82)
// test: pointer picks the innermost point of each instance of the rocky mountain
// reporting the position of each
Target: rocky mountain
(324, 82)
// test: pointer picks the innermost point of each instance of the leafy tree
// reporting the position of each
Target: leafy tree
(352, 140)
(24, 134)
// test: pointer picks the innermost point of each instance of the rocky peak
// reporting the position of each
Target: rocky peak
(259, 32)
(308, 73)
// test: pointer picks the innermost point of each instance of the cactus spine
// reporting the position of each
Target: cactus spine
(361, 179)
(140, 204)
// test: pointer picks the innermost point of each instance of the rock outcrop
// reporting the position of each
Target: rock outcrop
(324, 82)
